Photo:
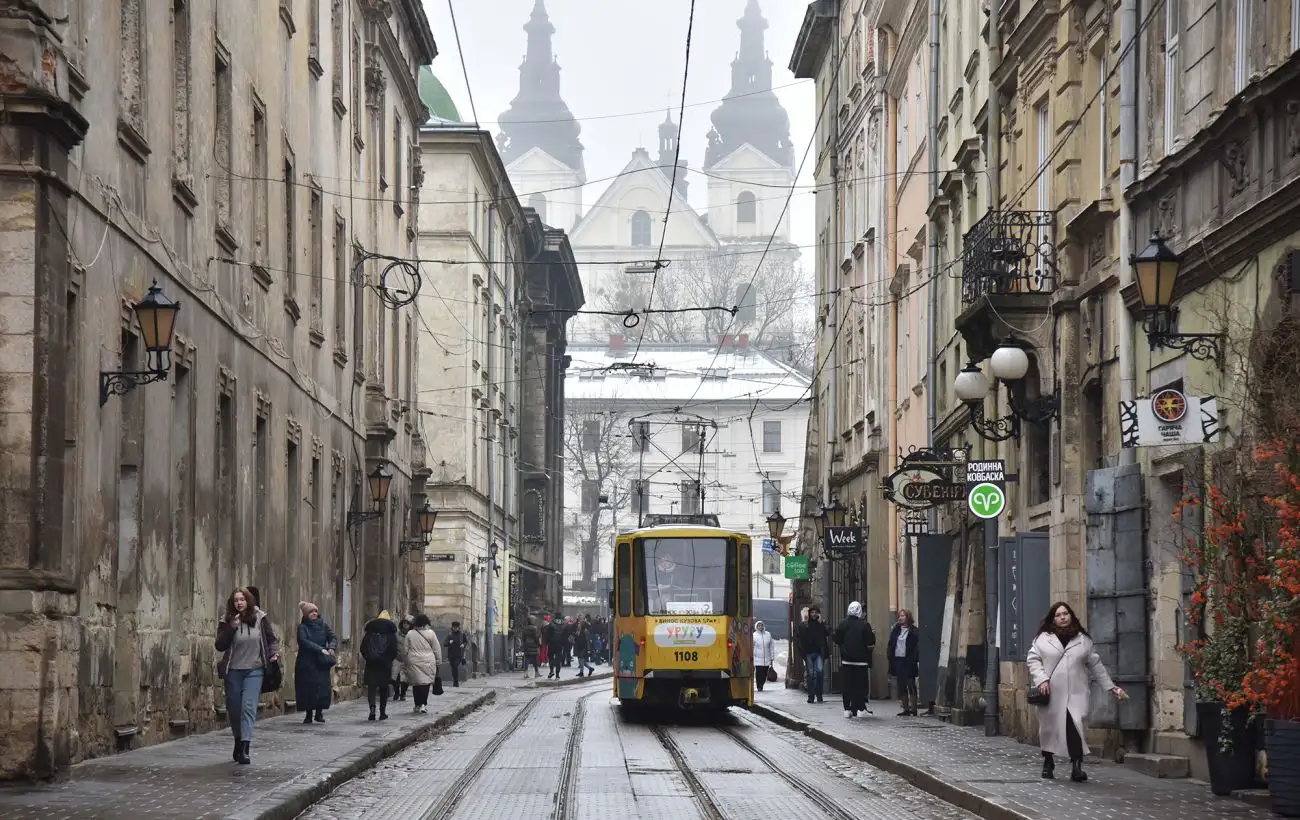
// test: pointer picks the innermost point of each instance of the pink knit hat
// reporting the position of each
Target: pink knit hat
(307, 608)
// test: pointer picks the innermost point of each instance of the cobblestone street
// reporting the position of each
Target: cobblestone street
(1000, 774)
(293, 764)
(570, 754)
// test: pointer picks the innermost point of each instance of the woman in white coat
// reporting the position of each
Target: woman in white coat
(1062, 664)
(423, 657)
(764, 653)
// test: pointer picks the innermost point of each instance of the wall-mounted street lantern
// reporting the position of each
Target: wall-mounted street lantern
(378, 482)
(775, 524)
(834, 514)
(1156, 270)
(425, 519)
(1009, 364)
(156, 315)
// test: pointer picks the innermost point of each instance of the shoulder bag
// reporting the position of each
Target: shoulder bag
(1037, 698)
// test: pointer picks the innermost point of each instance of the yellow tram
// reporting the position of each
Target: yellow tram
(683, 616)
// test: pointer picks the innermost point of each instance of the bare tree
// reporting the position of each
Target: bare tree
(772, 307)
(598, 455)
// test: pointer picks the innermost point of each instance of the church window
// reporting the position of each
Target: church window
(746, 208)
(641, 231)
(538, 203)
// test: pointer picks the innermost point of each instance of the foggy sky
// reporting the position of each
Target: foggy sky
(621, 67)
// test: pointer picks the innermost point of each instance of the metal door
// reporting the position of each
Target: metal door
(933, 563)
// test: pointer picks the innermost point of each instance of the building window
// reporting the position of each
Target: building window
(771, 497)
(746, 209)
(690, 439)
(316, 218)
(636, 493)
(261, 186)
(290, 234)
(538, 203)
(340, 284)
(771, 436)
(223, 147)
(398, 159)
(590, 495)
(641, 230)
(181, 86)
(131, 83)
(643, 436)
(1173, 28)
(1241, 66)
(690, 497)
(590, 435)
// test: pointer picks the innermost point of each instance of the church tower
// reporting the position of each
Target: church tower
(538, 136)
(669, 134)
(749, 145)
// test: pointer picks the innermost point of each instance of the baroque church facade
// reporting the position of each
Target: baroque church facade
(748, 170)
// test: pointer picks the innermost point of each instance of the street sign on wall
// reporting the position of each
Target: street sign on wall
(1024, 593)
(842, 542)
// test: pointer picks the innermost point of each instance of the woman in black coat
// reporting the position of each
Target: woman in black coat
(905, 661)
(317, 655)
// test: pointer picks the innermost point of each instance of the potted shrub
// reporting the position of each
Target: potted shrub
(1226, 562)
(1274, 679)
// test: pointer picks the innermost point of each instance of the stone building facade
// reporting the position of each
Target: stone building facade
(251, 164)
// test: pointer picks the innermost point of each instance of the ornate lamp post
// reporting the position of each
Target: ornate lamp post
(156, 316)
(1156, 269)
(425, 519)
(378, 481)
(1009, 364)
(775, 524)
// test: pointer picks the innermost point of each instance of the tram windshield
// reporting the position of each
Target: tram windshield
(688, 576)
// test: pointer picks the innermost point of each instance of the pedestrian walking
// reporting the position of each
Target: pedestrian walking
(530, 640)
(905, 661)
(582, 649)
(856, 641)
(764, 653)
(1061, 663)
(317, 655)
(400, 682)
(556, 644)
(423, 657)
(248, 646)
(379, 651)
(544, 654)
(815, 646)
(456, 642)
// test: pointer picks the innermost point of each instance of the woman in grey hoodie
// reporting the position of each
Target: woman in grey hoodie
(248, 645)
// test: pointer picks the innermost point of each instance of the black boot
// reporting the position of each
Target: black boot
(239, 747)
(320, 717)
(372, 713)
(242, 757)
(307, 719)
(1049, 766)
(1077, 774)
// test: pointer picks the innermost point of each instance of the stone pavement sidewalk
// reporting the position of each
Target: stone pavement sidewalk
(996, 778)
(294, 764)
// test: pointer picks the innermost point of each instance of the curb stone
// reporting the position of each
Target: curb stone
(977, 802)
(288, 800)
(574, 680)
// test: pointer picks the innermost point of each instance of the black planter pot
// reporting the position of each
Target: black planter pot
(1282, 740)
(1234, 768)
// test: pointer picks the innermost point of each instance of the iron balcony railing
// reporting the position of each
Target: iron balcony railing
(1009, 252)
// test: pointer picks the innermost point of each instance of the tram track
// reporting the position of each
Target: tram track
(708, 802)
(566, 790)
(827, 805)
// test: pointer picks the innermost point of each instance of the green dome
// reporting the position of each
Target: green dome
(435, 97)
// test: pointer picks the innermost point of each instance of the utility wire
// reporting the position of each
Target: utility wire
(469, 90)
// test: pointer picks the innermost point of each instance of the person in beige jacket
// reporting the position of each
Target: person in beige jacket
(423, 657)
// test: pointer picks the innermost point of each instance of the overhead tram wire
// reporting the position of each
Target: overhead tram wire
(672, 185)
(785, 208)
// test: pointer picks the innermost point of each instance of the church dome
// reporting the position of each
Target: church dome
(435, 97)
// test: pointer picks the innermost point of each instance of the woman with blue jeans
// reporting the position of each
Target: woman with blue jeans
(248, 645)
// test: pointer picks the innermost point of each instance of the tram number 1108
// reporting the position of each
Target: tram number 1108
(686, 656)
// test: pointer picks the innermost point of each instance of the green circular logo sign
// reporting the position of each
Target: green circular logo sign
(986, 500)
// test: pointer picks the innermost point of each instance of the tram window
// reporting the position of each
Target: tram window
(741, 551)
(732, 587)
(624, 561)
(638, 586)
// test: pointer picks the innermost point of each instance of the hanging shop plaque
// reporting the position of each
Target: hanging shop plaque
(916, 524)
(843, 542)
(796, 568)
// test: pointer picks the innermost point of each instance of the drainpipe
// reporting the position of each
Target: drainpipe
(510, 438)
(992, 669)
(932, 289)
(832, 318)
(488, 636)
(1128, 73)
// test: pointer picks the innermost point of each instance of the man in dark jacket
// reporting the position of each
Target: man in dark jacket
(557, 641)
(814, 645)
(856, 641)
(455, 647)
(379, 650)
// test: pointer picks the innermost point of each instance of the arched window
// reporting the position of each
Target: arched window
(746, 209)
(538, 203)
(641, 231)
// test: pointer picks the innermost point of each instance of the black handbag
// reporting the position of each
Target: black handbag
(1037, 698)
(437, 685)
(272, 678)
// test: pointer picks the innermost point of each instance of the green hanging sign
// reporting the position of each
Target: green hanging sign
(796, 567)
